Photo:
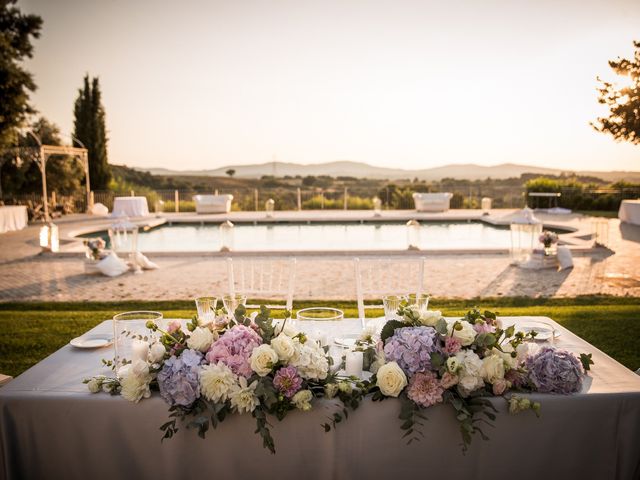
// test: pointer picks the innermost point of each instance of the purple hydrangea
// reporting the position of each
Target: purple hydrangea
(555, 371)
(234, 349)
(287, 381)
(178, 379)
(411, 348)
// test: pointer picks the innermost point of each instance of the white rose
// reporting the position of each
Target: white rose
(492, 368)
(284, 347)
(200, 339)
(302, 400)
(429, 318)
(95, 385)
(391, 379)
(157, 352)
(263, 358)
(470, 362)
(469, 383)
(289, 330)
(243, 397)
(216, 382)
(453, 364)
(466, 335)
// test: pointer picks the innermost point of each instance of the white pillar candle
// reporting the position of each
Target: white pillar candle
(353, 364)
(139, 350)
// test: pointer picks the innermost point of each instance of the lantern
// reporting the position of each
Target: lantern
(123, 236)
(377, 207)
(413, 235)
(485, 205)
(159, 207)
(226, 236)
(269, 206)
(49, 238)
(525, 233)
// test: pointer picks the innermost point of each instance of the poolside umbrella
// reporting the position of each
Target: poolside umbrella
(525, 231)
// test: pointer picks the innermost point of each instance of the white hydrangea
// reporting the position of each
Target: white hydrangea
(134, 380)
(200, 339)
(243, 397)
(217, 381)
(310, 360)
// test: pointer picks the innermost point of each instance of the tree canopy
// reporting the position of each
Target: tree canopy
(16, 34)
(90, 129)
(623, 100)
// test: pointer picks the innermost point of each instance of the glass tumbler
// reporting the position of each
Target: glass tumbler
(391, 304)
(421, 300)
(206, 307)
(125, 327)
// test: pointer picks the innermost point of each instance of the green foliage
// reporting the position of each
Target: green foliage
(17, 31)
(623, 122)
(90, 129)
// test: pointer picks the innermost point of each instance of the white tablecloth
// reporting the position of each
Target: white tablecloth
(13, 218)
(130, 207)
(52, 427)
(630, 211)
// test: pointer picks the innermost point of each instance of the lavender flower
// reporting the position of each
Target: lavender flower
(178, 379)
(287, 381)
(411, 348)
(555, 371)
(234, 349)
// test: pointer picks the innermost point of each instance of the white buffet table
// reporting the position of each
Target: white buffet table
(130, 207)
(52, 427)
(630, 212)
(13, 218)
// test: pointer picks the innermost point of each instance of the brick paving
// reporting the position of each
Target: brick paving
(26, 275)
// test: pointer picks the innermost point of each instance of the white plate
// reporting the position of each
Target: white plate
(348, 340)
(544, 333)
(97, 340)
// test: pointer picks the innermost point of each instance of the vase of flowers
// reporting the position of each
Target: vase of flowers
(549, 240)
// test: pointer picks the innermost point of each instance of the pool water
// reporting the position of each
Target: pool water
(323, 236)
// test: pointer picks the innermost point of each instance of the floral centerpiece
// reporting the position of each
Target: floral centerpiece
(255, 366)
(94, 248)
(548, 239)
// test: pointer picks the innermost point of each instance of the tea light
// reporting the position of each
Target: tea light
(139, 350)
(353, 364)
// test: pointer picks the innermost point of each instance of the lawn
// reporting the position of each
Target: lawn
(31, 331)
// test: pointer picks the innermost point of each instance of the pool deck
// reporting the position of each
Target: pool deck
(26, 274)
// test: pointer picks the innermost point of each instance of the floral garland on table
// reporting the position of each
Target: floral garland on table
(425, 359)
(263, 367)
(256, 366)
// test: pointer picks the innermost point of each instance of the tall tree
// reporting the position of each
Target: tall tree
(623, 100)
(16, 33)
(89, 128)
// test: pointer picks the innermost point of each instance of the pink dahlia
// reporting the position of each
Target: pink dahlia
(425, 389)
(234, 349)
(287, 381)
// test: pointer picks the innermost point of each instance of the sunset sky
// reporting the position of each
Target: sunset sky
(413, 84)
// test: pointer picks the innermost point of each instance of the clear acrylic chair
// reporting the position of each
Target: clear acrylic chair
(377, 277)
(263, 278)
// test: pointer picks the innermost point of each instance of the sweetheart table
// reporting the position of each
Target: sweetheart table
(52, 427)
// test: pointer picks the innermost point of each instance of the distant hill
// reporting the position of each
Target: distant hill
(362, 170)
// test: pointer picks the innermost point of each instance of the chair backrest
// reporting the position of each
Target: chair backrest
(266, 278)
(387, 276)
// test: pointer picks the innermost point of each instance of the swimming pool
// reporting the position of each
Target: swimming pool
(323, 237)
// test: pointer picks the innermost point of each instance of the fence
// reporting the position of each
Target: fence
(349, 198)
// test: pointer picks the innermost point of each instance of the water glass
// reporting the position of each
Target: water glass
(391, 304)
(231, 302)
(206, 307)
(125, 326)
(421, 300)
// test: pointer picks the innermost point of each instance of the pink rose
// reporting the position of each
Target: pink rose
(499, 386)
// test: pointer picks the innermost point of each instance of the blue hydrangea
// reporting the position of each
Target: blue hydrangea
(178, 379)
(411, 348)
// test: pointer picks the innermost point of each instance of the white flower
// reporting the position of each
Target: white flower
(391, 379)
(345, 387)
(469, 383)
(284, 347)
(302, 400)
(330, 390)
(310, 360)
(368, 333)
(216, 382)
(200, 339)
(156, 352)
(466, 334)
(288, 330)
(95, 384)
(469, 372)
(243, 396)
(429, 318)
(134, 380)
(453, 364)
(492, 368)
(263, 358)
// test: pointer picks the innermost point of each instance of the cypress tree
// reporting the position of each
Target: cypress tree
(89, 128)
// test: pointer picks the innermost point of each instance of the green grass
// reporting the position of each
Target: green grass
(31, 331)
(599, 213)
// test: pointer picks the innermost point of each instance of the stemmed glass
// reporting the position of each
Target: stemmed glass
(231, 302)
(421, 300)
(206, 307)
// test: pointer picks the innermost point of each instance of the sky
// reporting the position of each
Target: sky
(200, 84)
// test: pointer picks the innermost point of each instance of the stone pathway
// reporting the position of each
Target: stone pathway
(26, 275)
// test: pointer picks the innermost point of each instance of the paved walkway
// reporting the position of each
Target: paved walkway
(26, 275)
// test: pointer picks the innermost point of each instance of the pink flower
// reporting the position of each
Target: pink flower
(483, 327)
(448, 380)
(452, 345)
(499, 386)
(234, 349)
(287, 381)
(174, 326)
(425, 389)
